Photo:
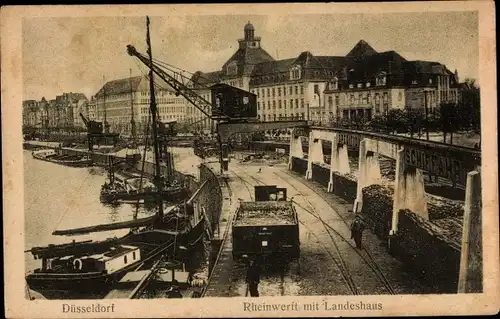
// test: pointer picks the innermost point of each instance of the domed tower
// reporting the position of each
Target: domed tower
(249, 31)
(250, 40)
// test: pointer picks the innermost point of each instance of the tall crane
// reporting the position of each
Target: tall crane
(95, 133)
(226, 125)
(194, 98)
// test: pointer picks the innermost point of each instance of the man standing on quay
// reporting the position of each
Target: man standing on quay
(253, 277)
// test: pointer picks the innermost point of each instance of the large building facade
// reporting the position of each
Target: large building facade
(117, 99)
(325, 88)
(61, 112)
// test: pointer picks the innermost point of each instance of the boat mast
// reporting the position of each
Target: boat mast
(106, 129)
(132, 121)
(158, 182)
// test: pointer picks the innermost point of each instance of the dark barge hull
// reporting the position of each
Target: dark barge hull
(170, 196)
(94, 285)
(70, 163)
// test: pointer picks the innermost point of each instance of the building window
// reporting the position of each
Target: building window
(258, 105)
(279, 104)
(430, 81)
(351, 99)
(400, 96)
(274, 105)
(301, 89)
(284, 104)
(291, 90)
(268, 105)
(386, 97)
(291, 103)
(368, 84)
(351, 86)
(337, 99)
(295, 73)
(284, 91)
(301, 102)
(334, 85)
(273, 92)
(279, 91)
(296, 90)
(133, 255)
(297, 103)
(125, 259)
(330, 102)
(360, 85)
(414, 82)
(369, 98)
(381, 79)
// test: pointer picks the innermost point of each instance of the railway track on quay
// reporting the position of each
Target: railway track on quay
(364, 254)
(271, 282)
(334, 237)
(228, 276)
(338, 259)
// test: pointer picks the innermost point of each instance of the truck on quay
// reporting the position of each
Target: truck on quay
(267, 227)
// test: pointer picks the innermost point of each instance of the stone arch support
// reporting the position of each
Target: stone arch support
(315, 154)
(409, 191)
(368, 172)
(295, 147)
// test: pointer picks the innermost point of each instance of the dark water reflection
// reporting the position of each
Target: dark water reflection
(58, 197)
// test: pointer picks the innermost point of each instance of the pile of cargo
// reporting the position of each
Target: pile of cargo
(377, 209)
(429, 248)
(262, 213)
(440, 207)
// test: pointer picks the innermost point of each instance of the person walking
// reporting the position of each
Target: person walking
(253, 277)
(357, 228)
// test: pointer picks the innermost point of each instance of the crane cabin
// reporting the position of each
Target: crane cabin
(233, 103)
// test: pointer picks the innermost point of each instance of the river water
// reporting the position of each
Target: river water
(59, 197)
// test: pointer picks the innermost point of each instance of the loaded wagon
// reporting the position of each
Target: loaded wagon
(267, 227)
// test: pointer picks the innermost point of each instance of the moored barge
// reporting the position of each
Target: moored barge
(50, 155)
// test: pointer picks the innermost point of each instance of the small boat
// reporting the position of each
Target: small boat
(50, 155)
(119, 193)
(89, 269)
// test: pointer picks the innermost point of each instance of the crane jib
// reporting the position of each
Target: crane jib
(199, 102)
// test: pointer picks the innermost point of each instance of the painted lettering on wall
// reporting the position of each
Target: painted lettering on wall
(439, 165)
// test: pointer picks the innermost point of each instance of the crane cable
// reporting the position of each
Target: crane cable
(146, 140)
(161, 87)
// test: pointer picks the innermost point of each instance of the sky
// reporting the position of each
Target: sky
(79, 54)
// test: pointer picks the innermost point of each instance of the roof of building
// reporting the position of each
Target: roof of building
(428, 67)
(271, 67)
(249, 56)
(362, 62)
(389, 62)
(249, 27)
(120, 86)
(362, 48)
(201, 79)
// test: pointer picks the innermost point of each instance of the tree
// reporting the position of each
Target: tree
(414, 120)
(448, 114)
(397, 121)
(470, 106)
(379, 123)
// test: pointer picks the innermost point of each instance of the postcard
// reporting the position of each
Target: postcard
(250, 160)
